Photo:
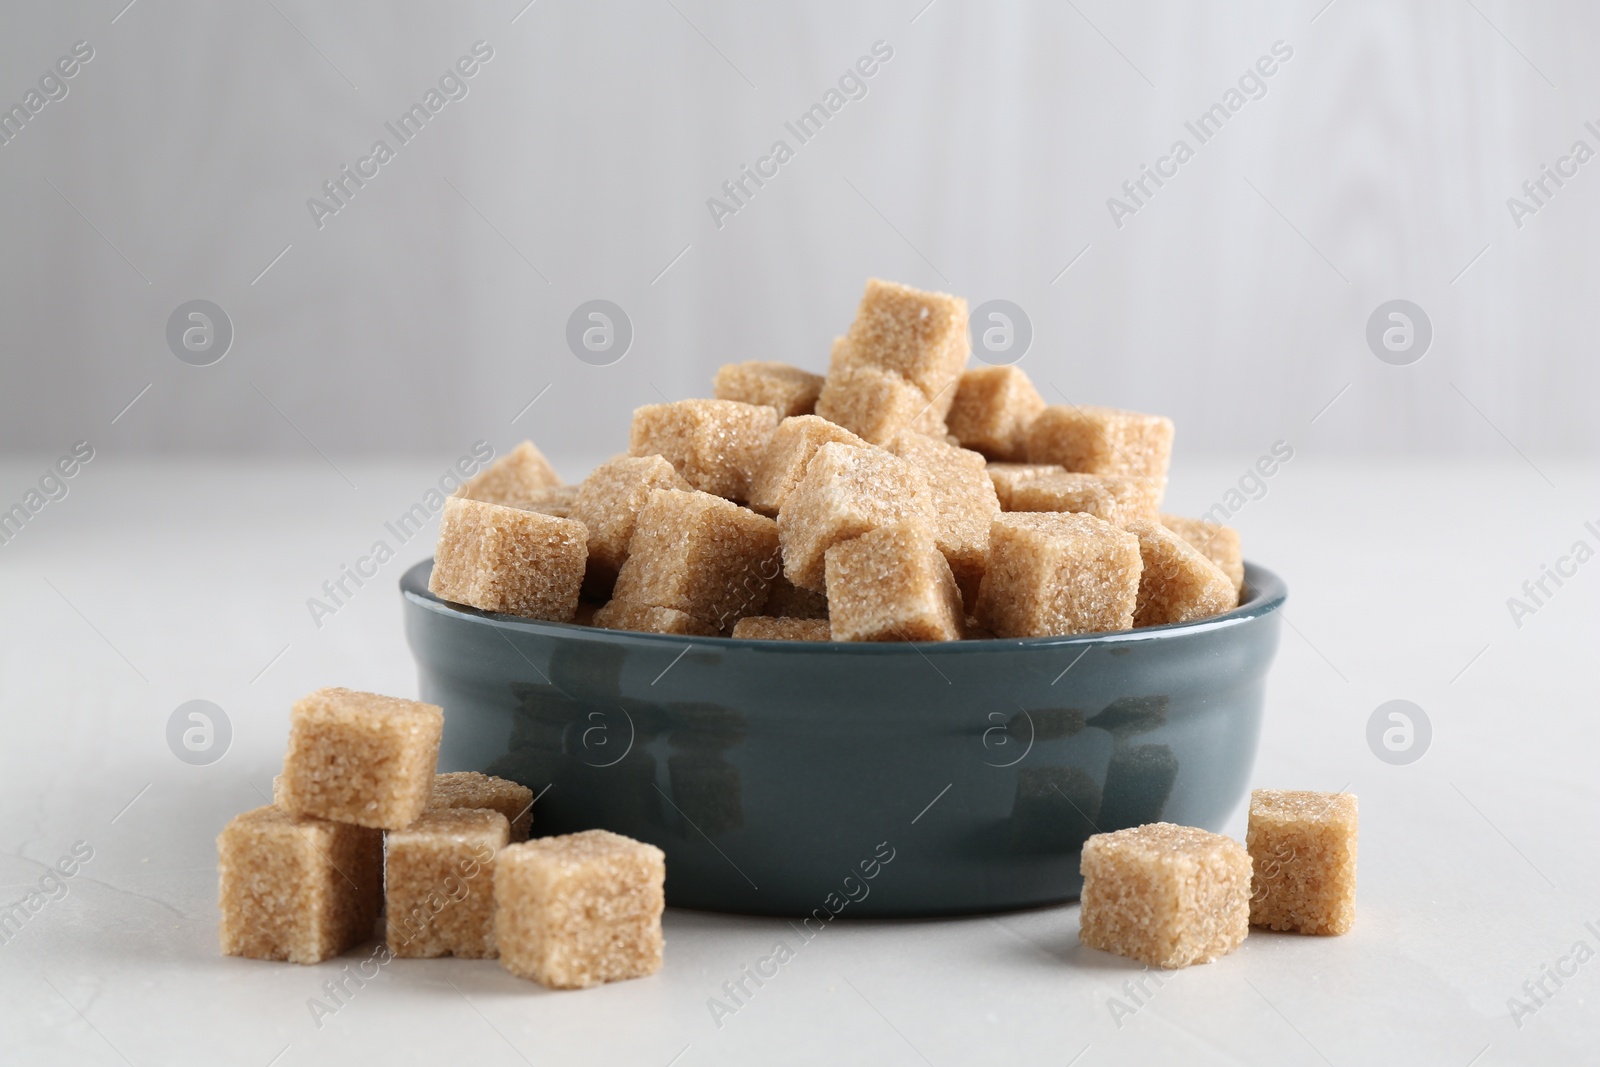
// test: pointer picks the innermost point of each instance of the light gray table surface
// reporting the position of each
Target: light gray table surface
(151, 584)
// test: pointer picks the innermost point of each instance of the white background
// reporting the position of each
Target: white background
(374, 351)
(1377, 166)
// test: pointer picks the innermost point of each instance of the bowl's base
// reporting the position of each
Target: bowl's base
(852, 914)
(887, 910)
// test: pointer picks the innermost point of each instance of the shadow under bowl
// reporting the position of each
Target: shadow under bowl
(854, 779)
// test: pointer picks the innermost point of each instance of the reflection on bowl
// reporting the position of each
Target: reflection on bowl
(776, 775)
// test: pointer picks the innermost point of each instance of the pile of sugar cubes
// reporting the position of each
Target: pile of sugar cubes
(361, 824)
(900, 498)
(1169, 896)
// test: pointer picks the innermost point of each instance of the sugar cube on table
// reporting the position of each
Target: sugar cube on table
(1165, 895)
(438, 877)
(714, 444)
(1177, 583)
(296, 888)
(1008, 476)
(1117, 498)
(646, 618)
(701, 555)
(788, 601)
(473, 789)
(892, 584)
(993, 408)
(846, 491)
(1304, 848)
(508, 560)
(921, 336)
(1058, 573)
(608, 505)
(360, 758)
(793, 444)
(964, 504)
(1099, 440)
(1219, 543)
(876, 404)
(768, 628)
(578, 910)
(790, 390)
(512, 480)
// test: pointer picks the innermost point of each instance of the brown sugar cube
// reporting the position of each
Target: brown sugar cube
(768, 628)
(472, 789)
(714, 444)
(964, 504)
(574, 911)
(892, 584)
(1096, 440)
(1177, 583)
(1304, 848)
(556, 502)
(847, 491)
(609, 502)
(930, 422)
(842, 357)
(992, 411)
(645, 618)
(1219, 543)
(1058, 573)
(876, 404)
(881, 400)
(885, 388)
(1167, 896)
(504, 559)
(701, 555)
(788, 601)
(921, 336)
(790, 390)
(1117, 498)
(793, 444)
(292, 888)
(360, 758)
(513, 479)
(1007, 476)
(438, 878)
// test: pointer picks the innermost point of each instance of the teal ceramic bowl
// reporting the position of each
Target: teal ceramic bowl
(852, 780)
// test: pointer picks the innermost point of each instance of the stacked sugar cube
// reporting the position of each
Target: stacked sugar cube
(899, 497)
(360, 822)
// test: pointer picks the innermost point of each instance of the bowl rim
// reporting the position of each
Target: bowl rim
(1267, 594)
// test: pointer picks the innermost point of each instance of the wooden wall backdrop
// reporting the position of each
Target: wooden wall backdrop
(430, 309)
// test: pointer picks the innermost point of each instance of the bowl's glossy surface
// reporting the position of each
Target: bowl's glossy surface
(792, 778)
